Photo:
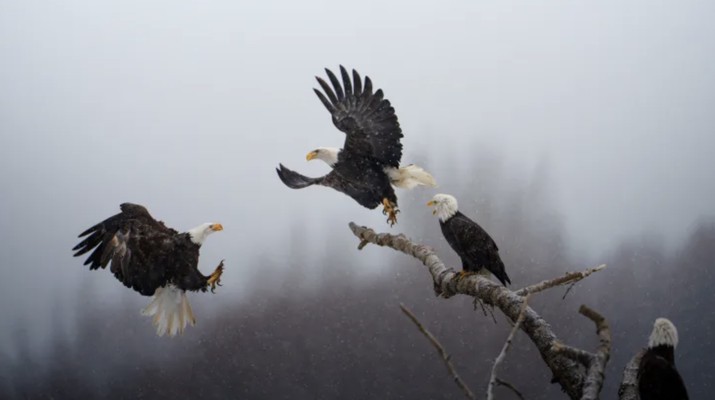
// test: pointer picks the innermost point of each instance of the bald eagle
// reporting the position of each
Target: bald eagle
(473, 244)
(154, 260)
(368, 165)
(658, 379)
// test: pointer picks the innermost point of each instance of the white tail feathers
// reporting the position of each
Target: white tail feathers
(410, 176)
(170, 310)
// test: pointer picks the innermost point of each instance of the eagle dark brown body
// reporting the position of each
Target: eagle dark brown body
(154, 260)
(372, 148)
(474, 246)
(144, 253)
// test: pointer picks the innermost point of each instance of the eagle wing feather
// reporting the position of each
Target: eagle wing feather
(368, 120)
(131, 242)
(476, 246)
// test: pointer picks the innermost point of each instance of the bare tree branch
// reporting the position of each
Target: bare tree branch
(582, 356)
(595, 372)
(510, 386)
(442, 352)
(502, 355)
(570, 374)
(595, 363)
(570, 277)
(629, 385)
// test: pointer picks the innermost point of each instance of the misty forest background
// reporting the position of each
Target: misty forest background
(576, 133)
(316, 327)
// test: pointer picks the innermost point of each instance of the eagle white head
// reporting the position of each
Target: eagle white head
(664, 334)
(201, 232)
(445, 206)
(327, 154)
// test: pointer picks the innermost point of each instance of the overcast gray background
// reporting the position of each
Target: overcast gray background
(187, 108)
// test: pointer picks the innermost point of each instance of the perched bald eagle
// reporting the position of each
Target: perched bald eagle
(368, 165)
(658, 379)
(473, 244)
(154, 260)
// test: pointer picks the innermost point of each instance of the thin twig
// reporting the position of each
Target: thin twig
(442, 352)
(510, 386)
(476, 301)
(502, 355)
(570, 277)
(568, 289)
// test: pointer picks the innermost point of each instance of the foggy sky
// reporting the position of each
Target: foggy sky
(187, 108)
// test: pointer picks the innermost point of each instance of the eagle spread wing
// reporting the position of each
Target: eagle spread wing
(141, 249)
(368, 120)
(366, 186)
(154, 260)
(295, 180)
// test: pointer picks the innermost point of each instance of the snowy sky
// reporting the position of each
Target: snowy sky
(187, 107)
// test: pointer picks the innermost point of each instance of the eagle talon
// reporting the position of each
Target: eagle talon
(390, 209)
(215, 277)
(463, 274)
(392, 218)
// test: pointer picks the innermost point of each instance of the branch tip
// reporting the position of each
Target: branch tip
(502, 355)
(442, 352)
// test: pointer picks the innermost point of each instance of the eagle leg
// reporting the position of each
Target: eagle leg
(463, 274)
(390, 209)
(215, 277)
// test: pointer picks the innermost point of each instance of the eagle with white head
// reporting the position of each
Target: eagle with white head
(368, 165)
(470, 241)
(154, 260)
(658, 379)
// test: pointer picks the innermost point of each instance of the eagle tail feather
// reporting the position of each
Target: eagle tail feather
(500, 273)
(410, 176)
(170, 311)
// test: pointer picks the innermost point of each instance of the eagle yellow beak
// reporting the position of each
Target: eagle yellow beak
(430, 204)
(217, 227)
(313, 154)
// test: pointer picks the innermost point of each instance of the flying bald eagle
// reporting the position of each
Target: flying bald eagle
(368, 165)
(154, 260)
(473, 244)
(658, 379)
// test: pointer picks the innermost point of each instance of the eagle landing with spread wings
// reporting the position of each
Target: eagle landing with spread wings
(154, 260)
(368, 165)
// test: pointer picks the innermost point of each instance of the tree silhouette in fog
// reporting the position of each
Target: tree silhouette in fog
(345, 337)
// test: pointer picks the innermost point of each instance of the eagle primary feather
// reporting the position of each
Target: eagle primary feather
(368, 165)
(147, 256)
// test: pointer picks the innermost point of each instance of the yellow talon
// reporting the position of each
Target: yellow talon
(390, 209)
(463, 274)
(215, 277)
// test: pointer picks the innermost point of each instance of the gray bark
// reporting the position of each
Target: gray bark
(569, 373)
(629, 383)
